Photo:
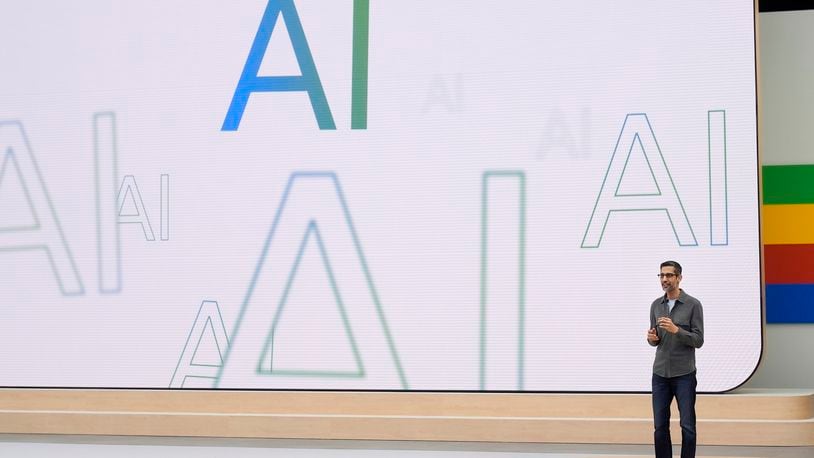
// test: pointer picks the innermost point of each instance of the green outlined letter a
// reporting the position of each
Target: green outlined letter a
(637, 179)
(203, 352)
(32, 223)
(312, 279)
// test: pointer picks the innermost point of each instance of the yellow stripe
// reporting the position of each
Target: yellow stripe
(788, 224)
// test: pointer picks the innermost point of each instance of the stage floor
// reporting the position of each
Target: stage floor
(753, 418)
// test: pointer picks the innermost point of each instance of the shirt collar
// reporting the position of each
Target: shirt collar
(680, 298)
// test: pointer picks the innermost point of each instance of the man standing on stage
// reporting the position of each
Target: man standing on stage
(676, 330)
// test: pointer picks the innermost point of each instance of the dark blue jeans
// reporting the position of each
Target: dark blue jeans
(683, 388)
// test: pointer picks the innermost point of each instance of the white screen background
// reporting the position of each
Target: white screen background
(513, 108)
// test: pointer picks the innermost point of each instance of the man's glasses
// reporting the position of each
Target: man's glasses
(667, 275)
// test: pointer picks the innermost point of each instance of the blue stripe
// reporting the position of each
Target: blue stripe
(790, 303)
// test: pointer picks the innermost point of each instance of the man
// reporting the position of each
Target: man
(676, 330)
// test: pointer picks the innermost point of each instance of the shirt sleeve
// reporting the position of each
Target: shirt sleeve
(653, 325)
(694, 337)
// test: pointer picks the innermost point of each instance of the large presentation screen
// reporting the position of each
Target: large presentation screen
(373, 194)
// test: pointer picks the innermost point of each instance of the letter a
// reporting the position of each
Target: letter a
(308, 81)
(311, 318)
(653, 187)
(45, 233)
(129, 188)
(193, 364)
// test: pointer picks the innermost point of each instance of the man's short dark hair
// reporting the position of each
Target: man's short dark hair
(672, 264)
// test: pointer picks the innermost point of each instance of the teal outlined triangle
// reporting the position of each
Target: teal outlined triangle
(128, 206)
(268, 348)
(653, 181)
(209, 330)
(33, 222)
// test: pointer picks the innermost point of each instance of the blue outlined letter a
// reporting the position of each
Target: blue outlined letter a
(308, 80)
(653, 190)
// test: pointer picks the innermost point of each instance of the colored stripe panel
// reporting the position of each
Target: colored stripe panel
(788, 184)
(788, 224)
(790, 303)
(786, 264)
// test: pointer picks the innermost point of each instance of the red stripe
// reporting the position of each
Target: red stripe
(789, 264)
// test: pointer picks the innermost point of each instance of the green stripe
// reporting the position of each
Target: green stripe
(788, 184)
(361, 26)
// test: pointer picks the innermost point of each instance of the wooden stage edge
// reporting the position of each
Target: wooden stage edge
(745, 418)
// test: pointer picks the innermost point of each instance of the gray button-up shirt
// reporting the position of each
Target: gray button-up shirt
(675, 354)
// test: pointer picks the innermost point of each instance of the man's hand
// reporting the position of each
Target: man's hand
(667, 324)
(652, 336)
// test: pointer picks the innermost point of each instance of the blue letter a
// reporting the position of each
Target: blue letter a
(309, 81)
